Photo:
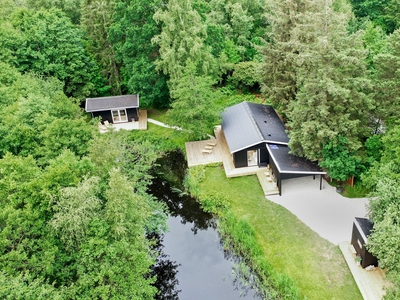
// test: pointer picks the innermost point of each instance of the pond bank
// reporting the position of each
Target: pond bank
(315, 267)
(193, 263)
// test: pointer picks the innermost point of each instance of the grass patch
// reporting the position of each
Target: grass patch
(166, 139)
(291, 255)
(357, 191)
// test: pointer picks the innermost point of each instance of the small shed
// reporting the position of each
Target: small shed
(361, 230)
(114, 109)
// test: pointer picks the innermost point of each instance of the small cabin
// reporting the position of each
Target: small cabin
(257, 137)
(114, 109)
(362, 228)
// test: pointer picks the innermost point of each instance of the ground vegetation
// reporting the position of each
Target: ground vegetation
(330, 68)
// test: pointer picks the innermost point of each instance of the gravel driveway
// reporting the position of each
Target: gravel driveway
(324, 211)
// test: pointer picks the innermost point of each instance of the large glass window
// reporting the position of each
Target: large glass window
(119, 115)
(252, 158)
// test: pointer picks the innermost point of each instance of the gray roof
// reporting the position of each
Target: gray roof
(289, 163)
(112, 102)
(247, 124)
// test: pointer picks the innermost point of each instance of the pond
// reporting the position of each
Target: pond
(193, 263)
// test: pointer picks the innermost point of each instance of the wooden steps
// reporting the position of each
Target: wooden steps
(267, 183)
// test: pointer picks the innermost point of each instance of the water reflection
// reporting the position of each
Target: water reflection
(193, 263)
(166, 271)
(183, 206)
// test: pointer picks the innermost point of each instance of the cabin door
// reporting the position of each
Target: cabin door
(119, 115)
(252, 158)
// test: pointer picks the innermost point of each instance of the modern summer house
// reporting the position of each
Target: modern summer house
(114, 109)
(256, 136)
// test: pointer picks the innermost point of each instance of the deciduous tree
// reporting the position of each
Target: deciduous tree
(387, 81)
(193, 109)
(130, 33)
(52, 46)
(182, 42)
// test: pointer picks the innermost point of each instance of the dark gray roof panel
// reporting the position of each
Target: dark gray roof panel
(247, 124)
(289, 163)
(239, 128)
(268, 123)
(112, 102)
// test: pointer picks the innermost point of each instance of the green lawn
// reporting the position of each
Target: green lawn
(316, 266)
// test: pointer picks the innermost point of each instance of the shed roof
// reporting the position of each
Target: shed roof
(364, 226)
(112, 102)
(289, 163)
(247, 124)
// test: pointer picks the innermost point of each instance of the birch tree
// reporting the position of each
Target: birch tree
(182, 41)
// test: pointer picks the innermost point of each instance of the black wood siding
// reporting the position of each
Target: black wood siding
(367, 258)
(105, 115)
(132, 114)
(240, 157)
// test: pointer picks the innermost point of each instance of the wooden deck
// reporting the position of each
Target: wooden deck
(139, 125)
(198, 154)
(142, 119)
(370, 283)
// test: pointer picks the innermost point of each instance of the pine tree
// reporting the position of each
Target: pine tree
(278, 70)
(96, 20)
(314, 72)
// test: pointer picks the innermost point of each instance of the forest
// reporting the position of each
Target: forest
(75, 215)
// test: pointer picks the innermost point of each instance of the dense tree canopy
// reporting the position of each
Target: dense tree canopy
(131, 33)
(47, 43)
(317, 76)
(75, 214)
(67, 215)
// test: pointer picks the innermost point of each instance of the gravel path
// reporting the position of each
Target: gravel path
(325, 211)
(162, 124)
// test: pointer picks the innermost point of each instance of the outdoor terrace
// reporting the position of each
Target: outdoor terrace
(138, 125)
(197, 154)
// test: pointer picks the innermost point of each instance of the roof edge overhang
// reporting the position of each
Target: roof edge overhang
(302, 172)
(94, 110)
(260, 142)
(291, 172)
(113, 108)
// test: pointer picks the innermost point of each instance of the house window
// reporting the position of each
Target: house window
(119, 115)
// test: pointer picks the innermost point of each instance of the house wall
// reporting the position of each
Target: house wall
(275, 172)
(240, 158)
(133, 114)
(264, 156)
(105, 115)
(358, 243)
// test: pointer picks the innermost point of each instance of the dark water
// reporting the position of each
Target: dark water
(193, 263)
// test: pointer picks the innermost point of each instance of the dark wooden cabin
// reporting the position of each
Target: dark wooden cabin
(256, 136)
(361, 230)
(114, 109)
